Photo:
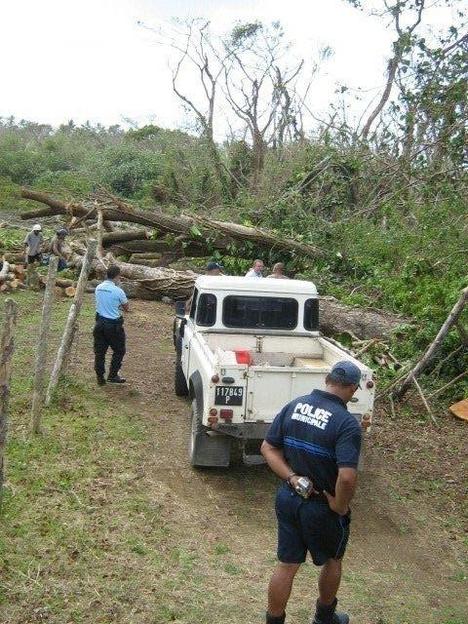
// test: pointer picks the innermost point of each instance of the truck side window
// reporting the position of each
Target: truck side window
(193, 306)
(311, 315)
(206, 310)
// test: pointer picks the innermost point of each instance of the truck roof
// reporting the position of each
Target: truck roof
(256, 285)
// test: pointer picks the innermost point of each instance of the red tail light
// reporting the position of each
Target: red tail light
(243, 357)
(226, 414)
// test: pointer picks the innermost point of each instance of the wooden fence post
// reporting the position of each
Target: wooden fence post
(6, 351)
(100, 230)
(70, 330)
(41, 354)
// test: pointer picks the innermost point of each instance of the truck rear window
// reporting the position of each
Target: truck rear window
(260, 312)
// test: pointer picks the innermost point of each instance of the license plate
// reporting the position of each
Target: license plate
(229, 395)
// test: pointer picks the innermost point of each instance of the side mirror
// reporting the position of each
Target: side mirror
(180, 309)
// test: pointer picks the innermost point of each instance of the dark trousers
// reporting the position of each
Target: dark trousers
(108, 333)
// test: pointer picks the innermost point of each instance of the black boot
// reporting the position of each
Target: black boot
(100, 381)
(327, 614)
(116, 379)
(275, 619)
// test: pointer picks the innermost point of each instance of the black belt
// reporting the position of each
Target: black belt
(104, 319)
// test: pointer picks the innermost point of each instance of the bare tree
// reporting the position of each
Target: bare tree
(198, 51)
(259, 86)
(412, 10)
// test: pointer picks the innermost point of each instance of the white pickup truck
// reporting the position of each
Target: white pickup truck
(247, 347)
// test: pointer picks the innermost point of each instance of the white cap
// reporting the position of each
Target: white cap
(37, 228)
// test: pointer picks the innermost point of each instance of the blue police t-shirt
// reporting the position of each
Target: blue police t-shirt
(109, 298)
(318, 435)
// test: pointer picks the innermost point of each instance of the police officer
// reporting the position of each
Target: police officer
(316, 437)
(109, 330)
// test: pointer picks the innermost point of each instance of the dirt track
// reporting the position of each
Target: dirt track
(400, 560)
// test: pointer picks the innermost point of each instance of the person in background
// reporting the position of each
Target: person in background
(256, 270)
(57, 248)
(214, 268)
(109, 330)
(313, 445)
(278, 271)
(33, 245)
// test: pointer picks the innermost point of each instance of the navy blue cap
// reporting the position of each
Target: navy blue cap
(346, 372)
(211, 266)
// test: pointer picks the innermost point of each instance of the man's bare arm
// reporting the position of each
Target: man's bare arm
(344, 491)
(275, 459)
(125, 307)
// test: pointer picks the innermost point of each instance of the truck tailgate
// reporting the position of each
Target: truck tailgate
(269, 389)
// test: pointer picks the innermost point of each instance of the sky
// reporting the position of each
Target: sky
(92, 60)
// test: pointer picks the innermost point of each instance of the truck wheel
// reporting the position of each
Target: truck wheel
(207, 450)
(180, 385)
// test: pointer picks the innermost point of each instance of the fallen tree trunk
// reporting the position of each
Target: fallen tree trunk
(164, 223)
(428, 356)
(220, 234)
(365, 323)
(181, 248)
(143, 282)
(151, 283)
(258, 236)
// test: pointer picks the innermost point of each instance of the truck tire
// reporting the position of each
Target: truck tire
(180, 385)
(207, 450)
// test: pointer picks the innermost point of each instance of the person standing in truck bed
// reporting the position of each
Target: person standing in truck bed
(313, 445)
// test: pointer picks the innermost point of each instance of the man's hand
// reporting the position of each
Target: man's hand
(332, 502)
(293, 482)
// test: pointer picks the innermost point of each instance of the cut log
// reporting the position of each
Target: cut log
(460, 409)
(70, 291)
(4, 270)
(365, 323)
(111, 238)
(145, 256)
(59, 281)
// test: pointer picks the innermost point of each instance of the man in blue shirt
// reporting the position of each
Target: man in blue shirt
(109, 330)
(316, 437)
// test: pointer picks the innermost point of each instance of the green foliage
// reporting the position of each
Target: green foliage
(11, 239)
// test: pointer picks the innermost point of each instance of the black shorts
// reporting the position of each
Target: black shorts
(309, 526)
(35, 258)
